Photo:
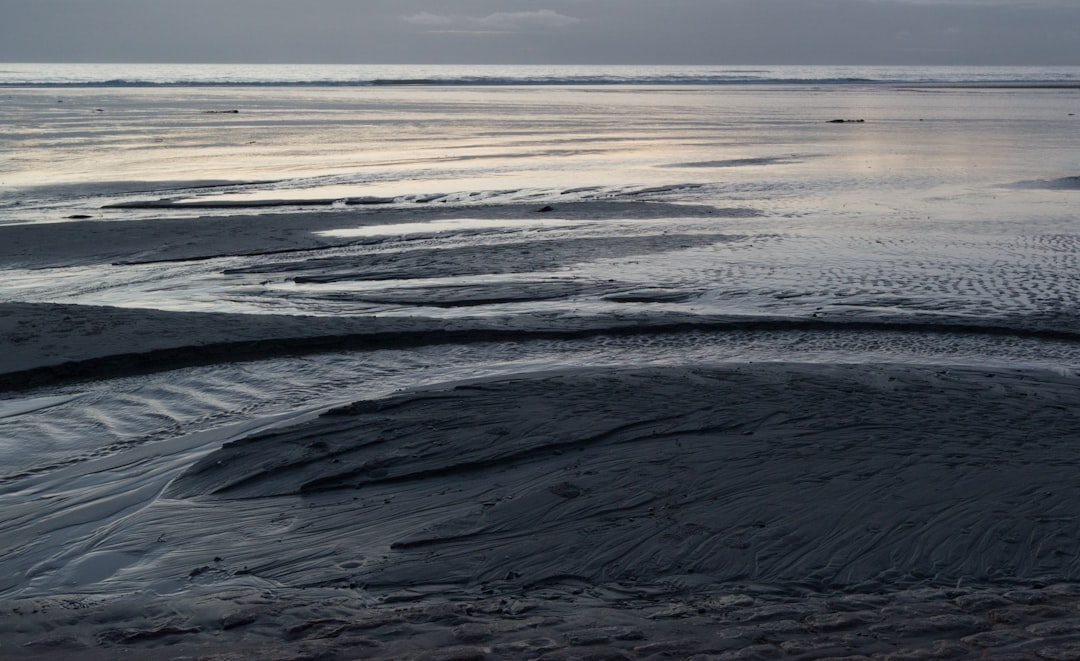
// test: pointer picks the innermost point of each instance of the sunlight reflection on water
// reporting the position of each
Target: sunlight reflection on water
(442, 226)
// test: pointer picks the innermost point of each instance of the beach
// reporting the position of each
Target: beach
(540, 369)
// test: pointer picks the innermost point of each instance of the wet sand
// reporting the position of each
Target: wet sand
(781, 510)
(796, 391)
(778, 508)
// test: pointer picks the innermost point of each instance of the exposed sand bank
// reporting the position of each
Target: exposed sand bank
(777, 473)
(178, 239)
(805, 510)
(489, 278)
(47, 343)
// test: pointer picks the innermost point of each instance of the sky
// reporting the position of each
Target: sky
(721, 32)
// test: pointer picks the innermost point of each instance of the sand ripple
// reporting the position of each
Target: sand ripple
(776, 509)
(782, 473)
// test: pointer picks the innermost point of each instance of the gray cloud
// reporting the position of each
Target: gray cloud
(503, 20)
(427, 19)
(523, 19)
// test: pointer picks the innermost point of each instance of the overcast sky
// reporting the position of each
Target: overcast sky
(997, 32)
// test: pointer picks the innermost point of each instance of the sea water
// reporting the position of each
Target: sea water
(945, 170)
(79, 137)
(353, 75)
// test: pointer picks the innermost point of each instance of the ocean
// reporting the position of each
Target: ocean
(604, 337)
(330, 75)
